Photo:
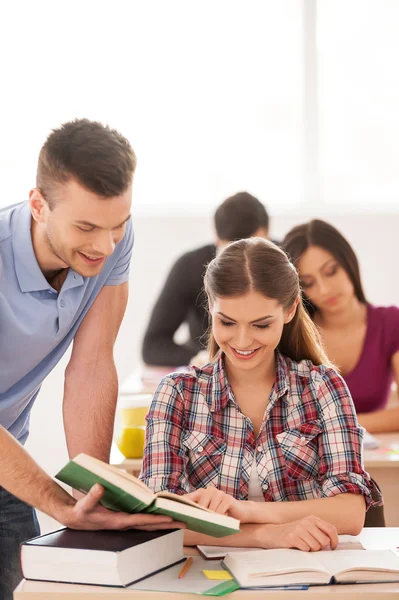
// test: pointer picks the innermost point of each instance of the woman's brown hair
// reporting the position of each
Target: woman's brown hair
(322, 234)
(259, 265)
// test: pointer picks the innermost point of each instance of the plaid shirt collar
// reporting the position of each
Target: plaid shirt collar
(222, 392)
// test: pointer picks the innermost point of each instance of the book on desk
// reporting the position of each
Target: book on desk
(124, 492)
(109, 558)
(273, 568)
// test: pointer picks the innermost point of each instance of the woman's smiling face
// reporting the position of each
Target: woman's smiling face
(248, 328)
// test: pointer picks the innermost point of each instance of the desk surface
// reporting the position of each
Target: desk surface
(377, 538)
(387, 455)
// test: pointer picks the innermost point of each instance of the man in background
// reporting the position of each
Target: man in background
(64, 269)
(181, 299)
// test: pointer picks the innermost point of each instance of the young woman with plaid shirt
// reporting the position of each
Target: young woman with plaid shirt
(267, 431)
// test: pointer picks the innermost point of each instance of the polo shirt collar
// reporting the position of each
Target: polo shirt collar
(30, 276)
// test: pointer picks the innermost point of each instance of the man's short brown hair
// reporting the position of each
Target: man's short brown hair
(96, 156)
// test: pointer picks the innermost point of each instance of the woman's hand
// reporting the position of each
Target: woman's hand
(309, 534)
(222, 503)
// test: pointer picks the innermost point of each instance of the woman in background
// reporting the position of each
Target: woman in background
(361, 339)
(268, 420)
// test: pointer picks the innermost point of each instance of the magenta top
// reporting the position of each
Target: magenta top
(371, 379)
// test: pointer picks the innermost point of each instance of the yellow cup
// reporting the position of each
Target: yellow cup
(132, 410)
(130, 417)
(131, 441)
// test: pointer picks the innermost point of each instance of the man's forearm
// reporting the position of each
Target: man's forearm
(90, 397)
(22, 477)
(345, 511)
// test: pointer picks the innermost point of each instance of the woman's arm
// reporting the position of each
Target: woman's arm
(163, 461)
(383, 421)
(344, 511)
(308, 534)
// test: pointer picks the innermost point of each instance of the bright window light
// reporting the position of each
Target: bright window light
(358, 50)
(209, 94)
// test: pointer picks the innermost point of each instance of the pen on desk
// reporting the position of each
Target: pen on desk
(186, 567)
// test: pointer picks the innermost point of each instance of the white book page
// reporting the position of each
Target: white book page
(117, 477)
(212, 515)
(348, 542)
(221, 551)
(358, 560)
(182, 500)
(264, 563)
(196, 511)
(345, 542)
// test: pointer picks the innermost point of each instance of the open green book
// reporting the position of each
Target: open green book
(124, 492)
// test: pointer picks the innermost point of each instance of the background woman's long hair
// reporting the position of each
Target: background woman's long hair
(322, 234)
(259, 265)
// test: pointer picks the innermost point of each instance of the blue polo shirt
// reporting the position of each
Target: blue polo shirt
(37, 324)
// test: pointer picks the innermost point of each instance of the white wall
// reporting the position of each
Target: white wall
(158, 242)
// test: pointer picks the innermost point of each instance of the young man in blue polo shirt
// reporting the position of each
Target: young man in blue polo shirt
(64, 268)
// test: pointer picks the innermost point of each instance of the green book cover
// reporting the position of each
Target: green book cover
(114, 497)
(139, 498)
(194, 523)
(226, 587)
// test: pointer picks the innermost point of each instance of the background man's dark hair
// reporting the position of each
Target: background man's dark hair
(240, 216)
(96, 156)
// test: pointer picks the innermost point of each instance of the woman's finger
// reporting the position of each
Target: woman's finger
(309, 539)
(322, 538)
(216, 499)
(329, 530)
(193, 496)
(299, 543)
(225, 506)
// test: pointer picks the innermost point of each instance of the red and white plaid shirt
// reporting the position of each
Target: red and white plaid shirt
(309, 444)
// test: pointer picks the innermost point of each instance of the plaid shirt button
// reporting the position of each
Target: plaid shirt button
(199, 450)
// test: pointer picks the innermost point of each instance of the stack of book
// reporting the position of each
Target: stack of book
(117, 558)
(111, 558)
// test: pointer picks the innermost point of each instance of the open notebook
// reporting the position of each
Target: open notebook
(369, 441)
(125, 492)
(269, 568)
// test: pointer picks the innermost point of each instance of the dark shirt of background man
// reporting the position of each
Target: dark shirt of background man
(182, 299)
